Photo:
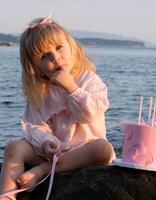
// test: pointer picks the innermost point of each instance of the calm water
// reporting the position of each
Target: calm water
(128, 73)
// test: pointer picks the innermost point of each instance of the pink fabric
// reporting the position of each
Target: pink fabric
(55, 159)
(68, 119)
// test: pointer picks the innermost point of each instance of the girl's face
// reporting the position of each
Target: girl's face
(54, 58)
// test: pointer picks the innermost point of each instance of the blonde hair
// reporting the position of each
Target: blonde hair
(33, 42)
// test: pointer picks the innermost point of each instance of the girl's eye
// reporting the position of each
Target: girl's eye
(46, 55)
(59, 47)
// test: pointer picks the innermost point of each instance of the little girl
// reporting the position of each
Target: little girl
(66, 102)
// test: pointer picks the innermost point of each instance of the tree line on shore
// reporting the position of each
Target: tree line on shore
(13, 40)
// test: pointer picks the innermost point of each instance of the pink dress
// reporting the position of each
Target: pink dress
(69, 120)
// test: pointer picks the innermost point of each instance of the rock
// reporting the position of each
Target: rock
(6, 43)
(98, 183)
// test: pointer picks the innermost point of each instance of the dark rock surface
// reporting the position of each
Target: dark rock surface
(98, 183)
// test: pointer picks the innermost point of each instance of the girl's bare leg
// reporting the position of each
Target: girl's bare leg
(17, 154)
(97, 152)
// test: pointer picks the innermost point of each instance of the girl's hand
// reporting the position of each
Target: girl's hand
(64, 79)
(50, 148)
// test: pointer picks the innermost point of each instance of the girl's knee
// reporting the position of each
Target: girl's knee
(15, 148)
(104, 151)
(112, 154)
(10, 149)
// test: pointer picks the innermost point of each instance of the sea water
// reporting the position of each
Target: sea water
(128, 73)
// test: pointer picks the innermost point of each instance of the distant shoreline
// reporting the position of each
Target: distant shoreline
(12, 40)
(99, 42)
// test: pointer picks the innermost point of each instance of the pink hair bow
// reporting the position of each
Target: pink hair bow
(44, 21)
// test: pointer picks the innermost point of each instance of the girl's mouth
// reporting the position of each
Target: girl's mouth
(59, 68)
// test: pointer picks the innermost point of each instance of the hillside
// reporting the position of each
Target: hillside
(111, 43)
(9, 39)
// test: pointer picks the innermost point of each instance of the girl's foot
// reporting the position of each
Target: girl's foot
(7, 198)
(30, 178)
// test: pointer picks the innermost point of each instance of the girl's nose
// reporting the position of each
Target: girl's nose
(56, 58)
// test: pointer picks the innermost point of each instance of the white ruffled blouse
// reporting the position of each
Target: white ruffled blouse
(71, 119)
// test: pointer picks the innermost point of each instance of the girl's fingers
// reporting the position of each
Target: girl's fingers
(51, 153)
(53, 145)
(20, 182)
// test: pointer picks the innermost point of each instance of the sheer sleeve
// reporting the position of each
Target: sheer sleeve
(36, 131)
(89, 101)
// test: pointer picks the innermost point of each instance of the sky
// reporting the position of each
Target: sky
(130, 18)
